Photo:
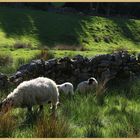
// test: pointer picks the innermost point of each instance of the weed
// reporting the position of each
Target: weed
(7, 125)
(52, 127)
(20, 45)
(44, 54)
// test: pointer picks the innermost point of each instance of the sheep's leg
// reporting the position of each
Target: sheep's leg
(53, 106)
(49, 102)
(72, 95)
(72, 92)
(40, 107)
(29, 108)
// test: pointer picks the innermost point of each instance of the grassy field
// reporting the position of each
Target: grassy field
(24, 33)
(39, 29)
(117, 115)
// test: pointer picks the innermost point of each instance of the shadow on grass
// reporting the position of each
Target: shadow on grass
(128, 28)
(49, 28)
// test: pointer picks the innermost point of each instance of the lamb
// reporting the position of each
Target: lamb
(34, 92)
(66, 88)
(87, 86)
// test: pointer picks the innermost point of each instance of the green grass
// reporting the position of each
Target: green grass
(41, 28)
(83, 116)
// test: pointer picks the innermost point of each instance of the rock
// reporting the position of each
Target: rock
(52, 61)
(107, 75)
(133, 59)
(79, 58)
(65, 59)
(3, 80)
(117, 58)
(83, 76)
(98, 58)
(125, 57)
(23, 67)
(138, 56)
(104, 63)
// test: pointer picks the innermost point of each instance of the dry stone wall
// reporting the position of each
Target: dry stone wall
(119, 64)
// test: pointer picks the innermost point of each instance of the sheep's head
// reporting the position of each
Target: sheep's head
(92, 81)
(0, 106)
(6, 105)
(59, 88)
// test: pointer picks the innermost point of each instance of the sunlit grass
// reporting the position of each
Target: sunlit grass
(84, 116)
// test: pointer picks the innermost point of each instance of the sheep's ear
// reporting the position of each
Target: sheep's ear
(90, 81)
(0, 105)
(59, 104)
(6, 105)
(11, 102)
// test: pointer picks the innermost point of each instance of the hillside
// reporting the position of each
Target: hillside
(41, 28)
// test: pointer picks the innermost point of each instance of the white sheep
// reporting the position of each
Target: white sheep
(66, 88)
(34, 92)
(87, 86)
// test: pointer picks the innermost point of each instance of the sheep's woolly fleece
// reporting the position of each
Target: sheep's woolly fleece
(84, 86)
(66, 88)
(35, 92)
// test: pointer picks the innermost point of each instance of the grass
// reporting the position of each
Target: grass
(82, 116)
(22, 39)
(37, 29)
(7, 125)
(5, 59)
(50, 126)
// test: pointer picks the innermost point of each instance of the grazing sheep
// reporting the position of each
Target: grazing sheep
(66, 88)
(34, 92)
(87, 86)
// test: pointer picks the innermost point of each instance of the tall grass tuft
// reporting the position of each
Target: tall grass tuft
(70, 47)
(5, 59)
(19, 45)
(52, 127)
(7, 125)
(20, 61)
(93, 129)
(44, 54)
(100, 92)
